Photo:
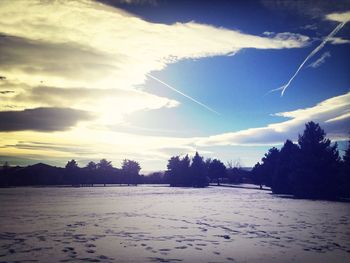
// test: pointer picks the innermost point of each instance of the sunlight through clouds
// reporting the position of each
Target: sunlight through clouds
(92, 59)
(91, 45)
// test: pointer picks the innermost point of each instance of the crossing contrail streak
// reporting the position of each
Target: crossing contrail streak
(313, 52)
(183, 94)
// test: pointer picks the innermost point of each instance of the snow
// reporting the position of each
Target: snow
(163, 224)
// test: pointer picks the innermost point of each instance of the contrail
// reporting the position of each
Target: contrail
(318, 48)
(183, 94)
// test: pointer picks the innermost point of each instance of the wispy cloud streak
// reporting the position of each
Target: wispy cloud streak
(183, 94)
(320, 60)
(318, 48)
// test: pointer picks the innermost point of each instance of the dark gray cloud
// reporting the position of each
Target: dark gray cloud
(6, 91)
(42, 119)
(56, 95)
(68, 148)
(56, 59)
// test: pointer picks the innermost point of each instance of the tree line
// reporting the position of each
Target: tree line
(102, 172)
(312, 168)
(198, 172)
(186, 172)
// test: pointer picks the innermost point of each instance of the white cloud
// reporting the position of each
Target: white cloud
(332, 114)
(343, 17)
(91, 45)
(269, 33)
(289, 37)
(310, 27)
(91, 56)
(344, 116)
(338, 41)
(320, 60)
(84, 143)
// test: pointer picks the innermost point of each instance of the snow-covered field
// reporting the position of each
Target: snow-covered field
(162, 224)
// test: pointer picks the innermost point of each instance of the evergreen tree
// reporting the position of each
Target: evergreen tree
(72, 175)
(174, 171)
(91, 169)
(257, 174)
(72, 165)
(198, 171)
(104, 165)
(346, 157)
(216, 170)
(268, 166)
(130, 170)
(184, 174)
(344, 180)
(318, 163)
(4, 174)
(91, 166)
(285, 170)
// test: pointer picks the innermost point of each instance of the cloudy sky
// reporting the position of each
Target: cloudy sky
(148, 79)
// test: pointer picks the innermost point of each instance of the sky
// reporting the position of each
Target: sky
(150, 79)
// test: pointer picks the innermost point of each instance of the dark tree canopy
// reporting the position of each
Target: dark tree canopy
(198, 171)
(263, 172)
(346, 157)
(344, 177)
(285, 168)
(130, 170)
(183, 172)
(91, 166)
(216, 170)
(104, 165)
(71, 165)
(178, 171)
(317, 166)
(310, 169)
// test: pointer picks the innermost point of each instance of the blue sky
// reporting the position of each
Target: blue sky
(93, 60)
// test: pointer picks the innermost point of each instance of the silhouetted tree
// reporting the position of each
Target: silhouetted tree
(91, 166)
(72, 175)
(285, 168)
(105, 170)
(179, 171)
(174, 170)
(344, 176)
(216, 170)
(198, 171)
(264, 171)
(130, 170)
(346, 157)
(257, 174)
(71, 165)
(4, 174)
(104, 165)
(184, 172)
(318, 165)
(91, 171)
(6, 166)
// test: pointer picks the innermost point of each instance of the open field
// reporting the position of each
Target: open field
(163, 224)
